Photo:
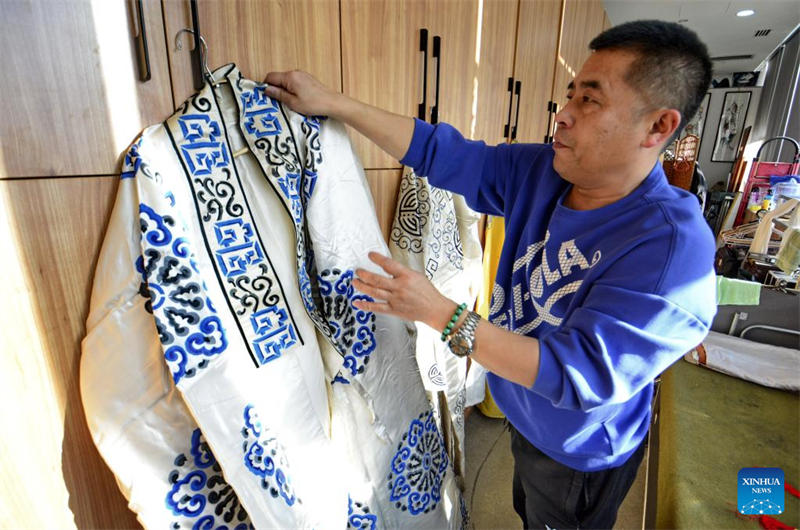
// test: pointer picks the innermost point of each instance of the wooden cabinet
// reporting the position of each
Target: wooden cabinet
(259, 36)
(582, 21)
(477, 54)
(383, 64)
(537, 50)
(52, 476)
(72, 99)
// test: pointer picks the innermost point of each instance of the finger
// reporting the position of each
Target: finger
(277, 78)
(374, 280)
(373, 307)
(278, 93)
(387, 264)
(374, 292)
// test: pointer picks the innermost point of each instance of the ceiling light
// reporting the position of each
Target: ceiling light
(681, 21)
(745, 13)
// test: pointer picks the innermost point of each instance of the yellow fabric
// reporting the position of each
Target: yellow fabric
(495, 235)
(488, 407)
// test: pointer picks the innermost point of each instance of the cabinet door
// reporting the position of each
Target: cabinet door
(71, 96)
(381, 62)
(537, 50)
(259, 36)
(51, 475)
(477, 54)
(384, 185)
(583, 20)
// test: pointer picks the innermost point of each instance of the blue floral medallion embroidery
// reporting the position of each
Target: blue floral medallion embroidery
(359, 516)
(419, 467)
(353, 329)
(199, 496)
(265, 459)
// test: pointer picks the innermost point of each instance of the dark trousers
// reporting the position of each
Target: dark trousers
(550, 495)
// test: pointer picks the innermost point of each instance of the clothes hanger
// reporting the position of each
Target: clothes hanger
(206, 70)
(762, 237)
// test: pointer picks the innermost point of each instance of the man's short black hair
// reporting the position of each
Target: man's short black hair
(673, 69)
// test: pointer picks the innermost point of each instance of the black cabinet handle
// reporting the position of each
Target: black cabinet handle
(517, 90)
(142, 53)
(423, 47)
(507, 128)
(552, 131)
(437, 54)
(197, 58)
(549, 121)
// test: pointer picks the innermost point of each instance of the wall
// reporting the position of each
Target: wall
(776, 309)
(779, 112)
(718, 171)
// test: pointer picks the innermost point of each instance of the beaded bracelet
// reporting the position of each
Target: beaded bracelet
(460, 309)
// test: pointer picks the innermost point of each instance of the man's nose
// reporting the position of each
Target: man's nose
(564, 117)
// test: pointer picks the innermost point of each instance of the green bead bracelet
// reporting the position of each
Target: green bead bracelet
(449, 327)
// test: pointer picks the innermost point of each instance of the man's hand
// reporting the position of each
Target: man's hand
(302, 93)
(407, 294)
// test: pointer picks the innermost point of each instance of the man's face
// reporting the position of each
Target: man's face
(599, 130)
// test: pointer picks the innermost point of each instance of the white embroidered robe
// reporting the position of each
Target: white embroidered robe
(227, 379)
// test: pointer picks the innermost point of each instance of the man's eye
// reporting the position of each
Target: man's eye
(569, 97)
(587, 99)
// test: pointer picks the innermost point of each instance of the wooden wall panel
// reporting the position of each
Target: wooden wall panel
(382, 64)
(583, 20)
(477, 59)
(72, 100)
(259, 36)
(385, 186)
(51, 475)
(537, 49)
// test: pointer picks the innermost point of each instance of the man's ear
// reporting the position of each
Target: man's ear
(663, 124)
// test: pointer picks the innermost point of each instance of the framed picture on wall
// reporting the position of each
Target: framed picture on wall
(731, 123)
(697, 125)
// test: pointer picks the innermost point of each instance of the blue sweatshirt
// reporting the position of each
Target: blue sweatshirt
(614, 295)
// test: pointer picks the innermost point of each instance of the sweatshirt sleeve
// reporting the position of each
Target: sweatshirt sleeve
(625, 333)
(451, 162)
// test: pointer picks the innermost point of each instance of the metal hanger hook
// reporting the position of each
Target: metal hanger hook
(204, 51)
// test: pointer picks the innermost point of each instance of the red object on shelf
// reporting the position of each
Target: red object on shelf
(760, 172)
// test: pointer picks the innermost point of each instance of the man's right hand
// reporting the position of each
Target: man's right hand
(302, 92)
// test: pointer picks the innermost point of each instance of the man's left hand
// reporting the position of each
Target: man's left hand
(406, 294)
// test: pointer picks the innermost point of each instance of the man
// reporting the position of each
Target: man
(606, 275)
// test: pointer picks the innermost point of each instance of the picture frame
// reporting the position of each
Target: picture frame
(697, 125)
(731, 123)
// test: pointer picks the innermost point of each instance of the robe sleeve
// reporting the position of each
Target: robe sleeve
(122, 370)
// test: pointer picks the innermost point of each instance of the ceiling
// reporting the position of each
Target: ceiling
(716, 23)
